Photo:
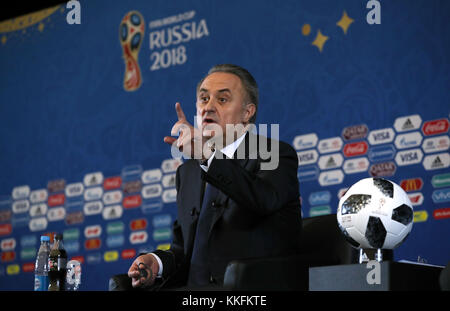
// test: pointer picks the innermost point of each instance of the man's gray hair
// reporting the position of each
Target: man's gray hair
(247, 80)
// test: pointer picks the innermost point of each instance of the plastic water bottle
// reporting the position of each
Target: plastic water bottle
(41, 266)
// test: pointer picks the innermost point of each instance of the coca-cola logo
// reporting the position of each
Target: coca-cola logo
(112, 183)
(132, 201)
(355, 149)
(435, 127)
(56, 199)
(382, 169)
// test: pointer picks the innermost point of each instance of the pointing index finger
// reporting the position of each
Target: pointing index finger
(180, 112)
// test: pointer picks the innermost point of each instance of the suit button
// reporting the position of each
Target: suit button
(213, 203)
(193, 211)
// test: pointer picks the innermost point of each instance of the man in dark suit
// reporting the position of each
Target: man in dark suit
(231, 203)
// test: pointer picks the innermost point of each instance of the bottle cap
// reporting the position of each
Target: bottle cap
(45, 238)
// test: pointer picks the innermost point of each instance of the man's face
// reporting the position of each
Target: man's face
(220, 101)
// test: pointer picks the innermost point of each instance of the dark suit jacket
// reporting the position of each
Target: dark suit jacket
(257, 211)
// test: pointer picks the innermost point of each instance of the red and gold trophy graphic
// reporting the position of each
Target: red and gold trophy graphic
(131, 34)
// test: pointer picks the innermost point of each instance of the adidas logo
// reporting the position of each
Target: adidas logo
(437, 163)
(407, 125)
(331, 163)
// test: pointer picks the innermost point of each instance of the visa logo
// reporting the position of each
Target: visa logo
(409, 157)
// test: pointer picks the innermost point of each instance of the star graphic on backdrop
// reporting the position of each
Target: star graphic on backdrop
(345, 22)
(4, 39)
(320, 40)
(41, 27)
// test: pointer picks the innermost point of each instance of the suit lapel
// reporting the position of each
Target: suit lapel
(242, 155)
(197, 186)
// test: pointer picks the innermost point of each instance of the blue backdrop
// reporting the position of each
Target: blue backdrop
(82, 152)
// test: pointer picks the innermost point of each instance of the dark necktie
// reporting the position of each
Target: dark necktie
(199, 272)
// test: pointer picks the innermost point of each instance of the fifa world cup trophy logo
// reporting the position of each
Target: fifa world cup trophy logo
(131, 34)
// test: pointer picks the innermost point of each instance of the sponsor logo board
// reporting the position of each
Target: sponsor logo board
(355, 149)
(132, 201)
(112, 183)
(420, 216)
(409, 157)
(441, 213)
(56, 185)
(409, 140)
(21, 192)
(38, 224)
(435, 127)
(151, 176)
(441, 195)
(38, 210)
(356, 165)
(381, 153)
(329, 145)
(38, 196)
(74, 218)
(407, 123)
(436, 161)
(168, 180)
(170, 165)
(330, 161)
(416, 198)
(308, 172)
(93, 208)
(93, 179)
(56, 213)
(382, 169)
(436, 144)
(74, 190)
(112, 197)
(19, 207)
(94, 193)
(355, 132)
(306, 141)
(138, 237)
(319, 210)
(319, 198)
(307, 157)
(441, 180)
(381, 136)
(56, 199)
(112, 212)
(151, 191)
(332, 177)
(411, 184)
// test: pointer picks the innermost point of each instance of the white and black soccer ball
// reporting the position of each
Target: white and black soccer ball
(375, 213)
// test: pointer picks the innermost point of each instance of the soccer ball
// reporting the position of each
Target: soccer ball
(375, 213)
